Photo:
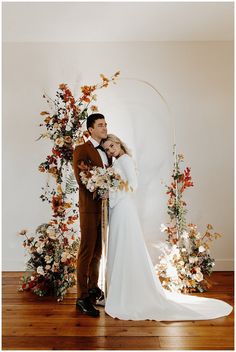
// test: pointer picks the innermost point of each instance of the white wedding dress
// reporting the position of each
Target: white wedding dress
(134, 291)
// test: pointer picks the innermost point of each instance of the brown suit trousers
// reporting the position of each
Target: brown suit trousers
(90, 251)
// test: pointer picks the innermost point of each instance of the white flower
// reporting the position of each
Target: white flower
(163, 228)
(183, 249)
(181, 263)
(68, 127)
(171, 272)
(40, 270)
(201, 249)
(163, 261)
(65, 256)
(48, 259)
(47, 267)
(51, 233)
(191, 259)
(185, 235)
(59, 142)
(199, 276)
(70, 240)
(32, 278)
(175, 251)
(198, 235)
(39, 250)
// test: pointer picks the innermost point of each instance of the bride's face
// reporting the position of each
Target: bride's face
(112, 149)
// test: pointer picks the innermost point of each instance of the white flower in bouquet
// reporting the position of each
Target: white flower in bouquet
(48, 259)
(48, 267)
(90, 185)
(40, 270)
(201, 249)
(101, 180)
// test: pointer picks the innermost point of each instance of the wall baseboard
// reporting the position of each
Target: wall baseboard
(224, 265)
(220, 265)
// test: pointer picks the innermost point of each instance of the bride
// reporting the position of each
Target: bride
(134, 291)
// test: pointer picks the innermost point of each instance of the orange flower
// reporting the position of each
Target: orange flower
(53, 170)
(47, 120)
(94, 108)
(68, 139)
(67, 205)
(63, 86)
(41, 168)
(87, 90)
(86, 134)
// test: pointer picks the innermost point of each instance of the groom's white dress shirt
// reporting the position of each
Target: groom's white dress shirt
(102, 154)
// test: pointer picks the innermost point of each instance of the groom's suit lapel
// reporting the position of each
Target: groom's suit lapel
(96, 156)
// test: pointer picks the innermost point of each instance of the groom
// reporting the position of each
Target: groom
(86, 156)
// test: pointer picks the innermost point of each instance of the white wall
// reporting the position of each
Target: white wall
(196, 78)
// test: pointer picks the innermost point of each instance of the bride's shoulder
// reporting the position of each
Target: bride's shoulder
(125, 157)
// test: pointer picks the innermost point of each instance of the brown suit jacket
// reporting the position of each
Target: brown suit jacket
(87, 154)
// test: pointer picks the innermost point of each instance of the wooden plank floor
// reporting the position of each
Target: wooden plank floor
(30, 322)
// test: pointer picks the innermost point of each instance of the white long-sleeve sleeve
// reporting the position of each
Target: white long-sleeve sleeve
(126, 168)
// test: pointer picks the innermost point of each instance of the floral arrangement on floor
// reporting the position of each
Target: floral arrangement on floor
(185, 260)
(53, 247)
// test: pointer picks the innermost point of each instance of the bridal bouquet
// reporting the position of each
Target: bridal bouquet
(100, 180)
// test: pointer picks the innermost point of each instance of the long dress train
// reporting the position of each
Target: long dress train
(134, 291)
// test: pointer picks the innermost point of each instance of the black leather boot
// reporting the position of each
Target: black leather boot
(85, 306)
(96, 296)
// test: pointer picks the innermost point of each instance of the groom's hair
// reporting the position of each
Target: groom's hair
(92, 118)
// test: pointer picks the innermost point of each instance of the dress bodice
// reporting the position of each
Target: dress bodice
(125, 167)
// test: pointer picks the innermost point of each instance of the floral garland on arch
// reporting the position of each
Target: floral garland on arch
(52, 250)
(185, 260)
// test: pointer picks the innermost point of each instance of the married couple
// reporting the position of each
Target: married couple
(134, 291)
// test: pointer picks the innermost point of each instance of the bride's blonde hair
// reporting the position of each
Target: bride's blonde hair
(115, 139)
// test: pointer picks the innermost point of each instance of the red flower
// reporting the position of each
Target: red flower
(56, 152)
(64, 227)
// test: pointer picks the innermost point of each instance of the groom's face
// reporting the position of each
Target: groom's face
(99, 129)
